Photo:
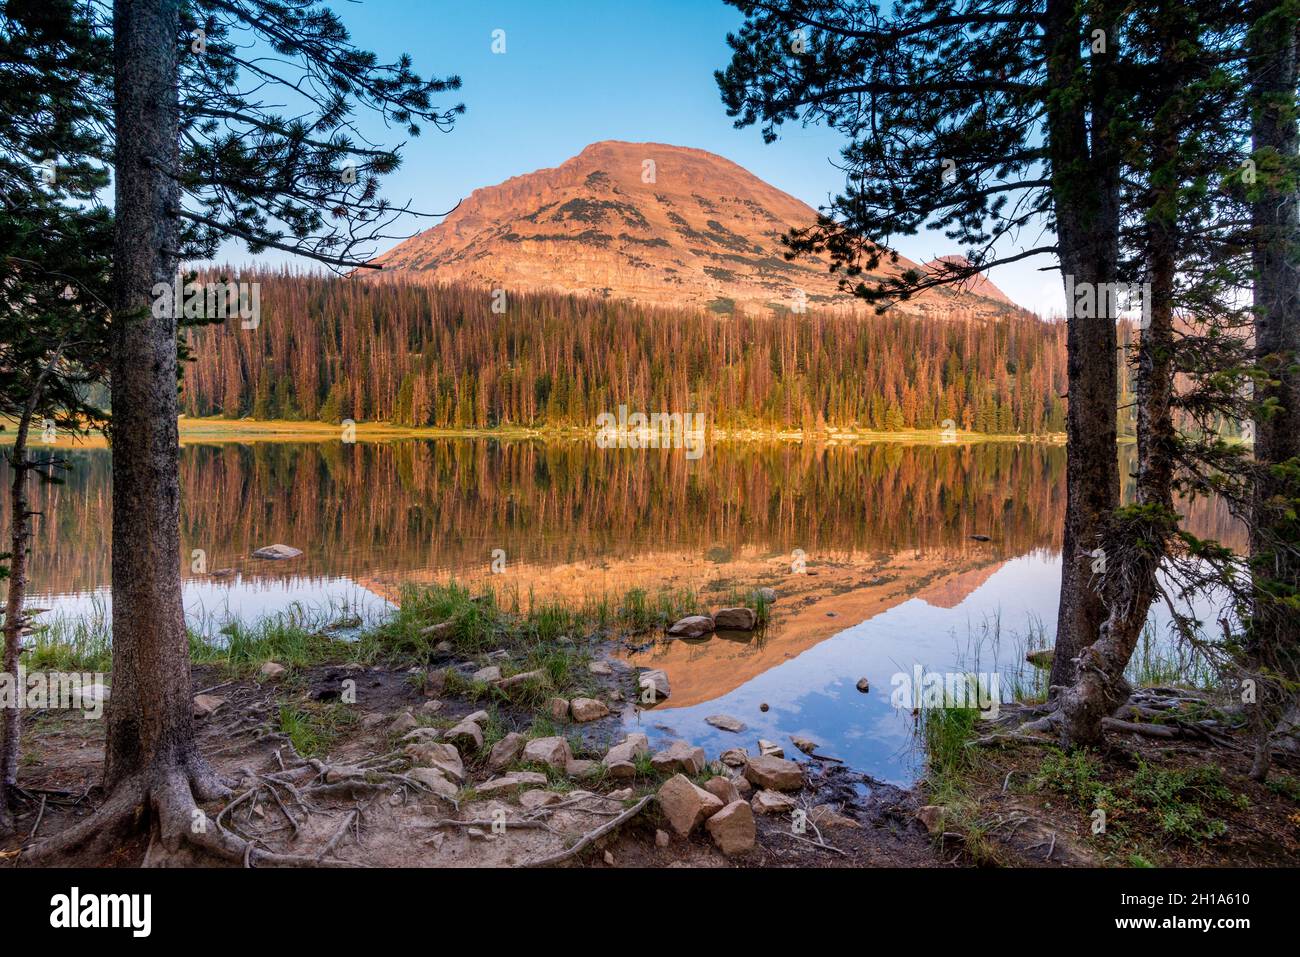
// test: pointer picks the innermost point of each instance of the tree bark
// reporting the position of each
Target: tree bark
(150, 725)
(1136, 539)
(19, 519)
(1085, 189)
(1274, 641)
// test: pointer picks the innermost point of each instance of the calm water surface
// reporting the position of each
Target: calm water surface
(891, 575)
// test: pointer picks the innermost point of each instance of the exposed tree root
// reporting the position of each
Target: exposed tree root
(591, 836)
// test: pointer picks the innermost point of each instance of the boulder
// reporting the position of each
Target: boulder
(632, 746)
(722, 789)
(553, 752)
(480, 718)
(743, 786)
(679, 756)
(587, 709)
(600, 668)
(734, 619)
(692, 626)
(434, 780)
(277, 552)
(773, 773)
(581, 768)
(654, 685)
(661, 838)
(732, 828)
(432, 706)
(444, 757)
(511, 782)
(770, 748)
(767, 594)
(271, 670)
(506, 751)
(772, 802)
(467, 734)
(806, 745)
(621, 770)
(622, 794)
(435, 682)
(734, 757)
(206, 704)
(685, 805)
(487, 675)
(726, 722)
(558, 708)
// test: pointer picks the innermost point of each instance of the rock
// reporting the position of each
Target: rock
(679, 756)
(558, 708)
(776, 774)
(864, 685)
(771, 802)
(622, 794)
(467, 734)
(505, 684)
(600, 668)
(434, 780)
(732, 828)
(806, 745)
(536, 798)
(277, 552)
(206, 704)
(1042, 658)
(372, 720)
(435, 682)
(480, 718)
(629, 750)
(726, 722)
(487, 675)
(770, 748)
(441, 630)
(734, 757)
(653, 683)
(621, 770)
(931, 816)
(981, 538)
(684, 805)
(499, 654)
(271, 669)
(513, 781)
(764, 707)
(506, 751)
(734, 619)
(553, 752)
(661, 838)
(722, 789)
(743, 786)
(422, 735)
(766, 594)
(609, 858)
(581, 768)
(444, 757)
(823, 815)
(692, 626)
(587, 709)
(432, 706)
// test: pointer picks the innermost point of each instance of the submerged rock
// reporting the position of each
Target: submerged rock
(726, 722)
(692, 626)
(734, 619)
(277, 552)
(654, 685)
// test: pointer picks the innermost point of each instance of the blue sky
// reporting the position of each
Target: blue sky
(578, 71)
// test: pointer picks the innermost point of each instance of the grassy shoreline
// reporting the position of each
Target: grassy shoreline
(213, 430)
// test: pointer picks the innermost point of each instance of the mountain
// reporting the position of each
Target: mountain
(656, 224)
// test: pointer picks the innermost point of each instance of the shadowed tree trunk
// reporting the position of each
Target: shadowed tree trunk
(1275, 215)
(1085, 188)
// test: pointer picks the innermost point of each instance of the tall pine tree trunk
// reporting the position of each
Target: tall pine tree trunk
(19, 523)
(1085, 188)
(1275, 215)
(1135, 538)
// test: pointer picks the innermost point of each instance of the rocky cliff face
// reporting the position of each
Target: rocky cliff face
(656, 224)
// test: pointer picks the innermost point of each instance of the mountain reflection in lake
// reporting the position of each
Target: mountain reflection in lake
(893, 575)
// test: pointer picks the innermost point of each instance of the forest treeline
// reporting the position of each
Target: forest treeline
(419, 355)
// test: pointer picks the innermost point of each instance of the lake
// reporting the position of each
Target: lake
(872, 550)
